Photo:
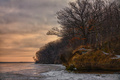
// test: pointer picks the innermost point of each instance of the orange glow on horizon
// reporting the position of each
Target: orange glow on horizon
(16, 59)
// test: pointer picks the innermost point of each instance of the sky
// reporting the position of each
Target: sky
(23, 27)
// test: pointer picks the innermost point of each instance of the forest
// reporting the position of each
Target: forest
(90, 37)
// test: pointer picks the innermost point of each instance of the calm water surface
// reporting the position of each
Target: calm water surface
(31, 71)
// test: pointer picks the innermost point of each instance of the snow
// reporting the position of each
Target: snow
(105, 53)
(116, 56)
(64, 75)
(82, 49)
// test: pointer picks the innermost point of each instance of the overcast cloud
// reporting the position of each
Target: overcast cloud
(23, 27)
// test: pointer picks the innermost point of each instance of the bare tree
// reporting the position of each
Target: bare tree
(86, 20)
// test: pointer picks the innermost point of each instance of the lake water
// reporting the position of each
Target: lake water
(31, 71)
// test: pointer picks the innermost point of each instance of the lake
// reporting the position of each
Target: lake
(31, 71)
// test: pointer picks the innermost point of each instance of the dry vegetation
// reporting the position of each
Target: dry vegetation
(95, 60)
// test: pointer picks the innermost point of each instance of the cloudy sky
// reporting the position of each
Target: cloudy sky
(23, 27)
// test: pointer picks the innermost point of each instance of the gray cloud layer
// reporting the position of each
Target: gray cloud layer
(24, 23)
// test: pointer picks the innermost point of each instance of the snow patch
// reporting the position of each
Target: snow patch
(82, 49)
(116, 56)
(105, 53)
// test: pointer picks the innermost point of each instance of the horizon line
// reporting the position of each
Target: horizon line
(17, 62)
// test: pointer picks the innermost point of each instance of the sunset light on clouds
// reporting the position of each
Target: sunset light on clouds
(23, 27)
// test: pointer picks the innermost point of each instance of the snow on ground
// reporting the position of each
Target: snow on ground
(116, 56)
(105, 53)
(64, 75)
(82, 49)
